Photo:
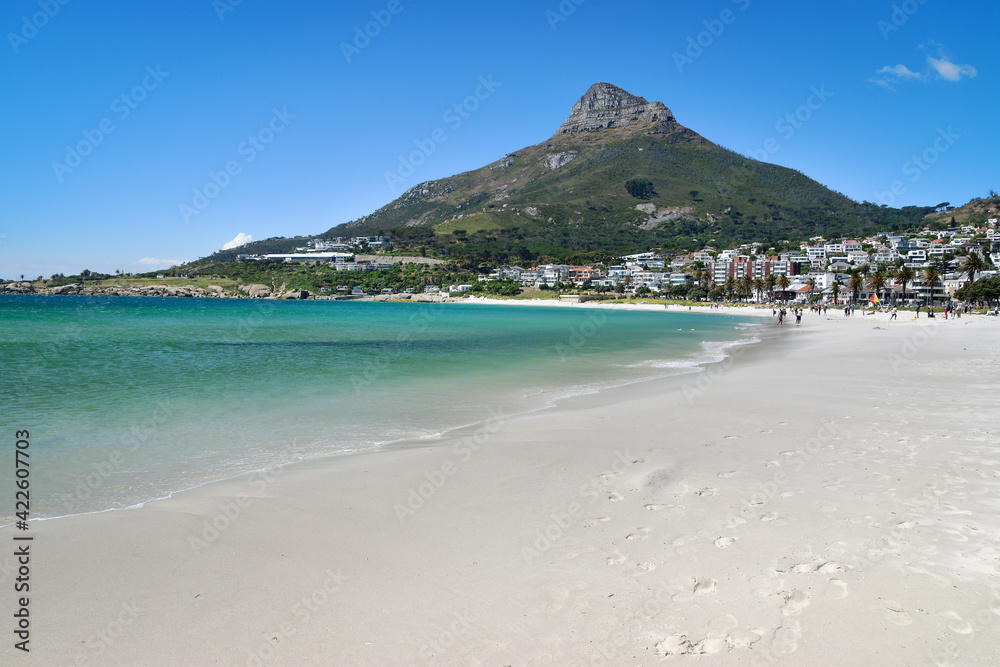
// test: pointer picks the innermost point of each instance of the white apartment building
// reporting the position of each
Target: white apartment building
(701, 256)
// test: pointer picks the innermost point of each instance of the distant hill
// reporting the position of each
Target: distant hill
(278, 244)
(570, 193)
(620, 174)
(976, 211)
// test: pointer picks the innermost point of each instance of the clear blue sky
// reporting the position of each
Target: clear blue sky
(183, 85)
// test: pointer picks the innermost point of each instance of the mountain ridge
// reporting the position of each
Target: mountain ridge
(566, 196)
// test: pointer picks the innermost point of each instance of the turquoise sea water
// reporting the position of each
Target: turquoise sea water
(131, 399)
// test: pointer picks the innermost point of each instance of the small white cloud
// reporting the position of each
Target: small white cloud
(900, 72)
(241, 239)
(887, 76)
(158, 263)
(949, 71)
(941, 67)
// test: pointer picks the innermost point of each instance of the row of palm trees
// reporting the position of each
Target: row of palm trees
(877, 282)
(748, 286)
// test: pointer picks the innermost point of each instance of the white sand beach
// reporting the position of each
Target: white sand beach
(830, 496)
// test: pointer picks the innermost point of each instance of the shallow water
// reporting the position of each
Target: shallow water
(131, 399)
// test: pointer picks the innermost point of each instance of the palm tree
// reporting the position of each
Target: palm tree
(931, 278)
(769, 282)
(836, 291)
(758, 287)
(697, 276)
(877, 282)
(746, 286)
(903, 276)
(812, 288)
(856, 283)
(972, 265)
(782, 282)
(729, 287)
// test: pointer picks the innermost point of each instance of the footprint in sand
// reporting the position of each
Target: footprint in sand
(703, 585)
(639, 534)
(724, 542)
(763, 586)
(831, 566)
(894, 613)
(957, 623)
(643, 568)
(728, 473)
(615, 559)
(653, 507)
(707, 491)
(786, 638)
(770, 516)
(710, 646)
(615, 497)
(743, 639)
(731, 437)
(590, 523)
(836, 589)
(769, 430)
(735, 522)
(772, 464)
(819, 565)
(722, 624)
(673, 645)
(695, 586)
(795, 601)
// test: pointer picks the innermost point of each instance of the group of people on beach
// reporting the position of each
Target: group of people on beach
(782, 312)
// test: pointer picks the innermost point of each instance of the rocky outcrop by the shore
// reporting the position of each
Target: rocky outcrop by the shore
(255, 291)
(116, 290)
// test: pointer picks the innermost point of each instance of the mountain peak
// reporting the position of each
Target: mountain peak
(604, 97)
(605, 106)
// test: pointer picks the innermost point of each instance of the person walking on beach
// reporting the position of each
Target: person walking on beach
(893, 316)
(798, 316)
(781, 317)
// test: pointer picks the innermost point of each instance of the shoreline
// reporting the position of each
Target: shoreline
(778, 509)
(707, 357)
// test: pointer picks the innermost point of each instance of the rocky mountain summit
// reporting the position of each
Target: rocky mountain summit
(606, 107)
